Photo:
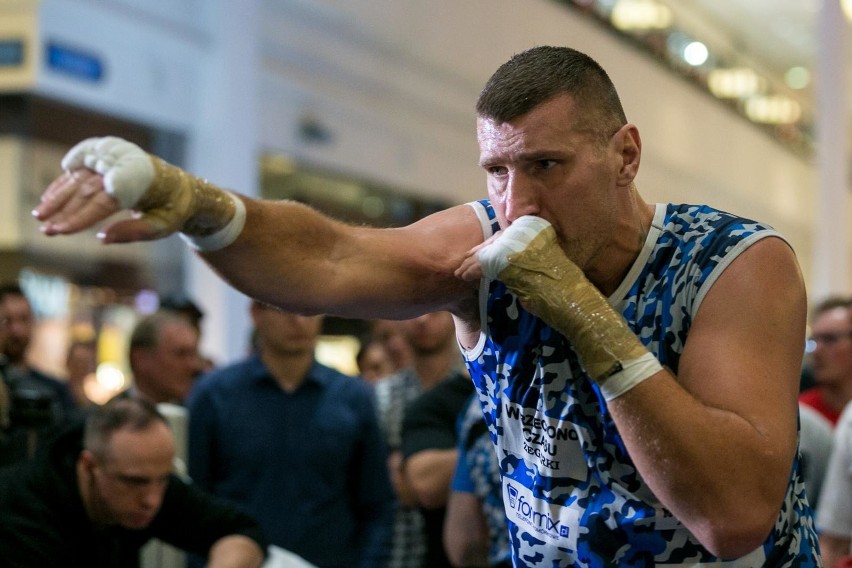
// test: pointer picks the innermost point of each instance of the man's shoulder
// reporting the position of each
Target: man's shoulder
(233, 373)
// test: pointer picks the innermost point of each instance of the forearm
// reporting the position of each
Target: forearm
(715, 471)
(235, 551)
(429, 474)
(465, 531)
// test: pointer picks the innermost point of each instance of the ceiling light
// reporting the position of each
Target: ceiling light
(641, 15)
(695, 53)
(773, 109)
(734, 82)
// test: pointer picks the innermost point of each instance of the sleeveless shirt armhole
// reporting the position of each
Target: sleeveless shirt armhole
(732, 255)
(484, 285)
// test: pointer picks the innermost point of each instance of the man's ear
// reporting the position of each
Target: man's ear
(629, 146)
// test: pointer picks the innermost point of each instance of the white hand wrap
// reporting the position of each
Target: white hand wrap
(224, 236)
(631, 374)
(495, 256)
(127, 170)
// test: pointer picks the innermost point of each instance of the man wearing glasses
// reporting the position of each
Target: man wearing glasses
(830, 349)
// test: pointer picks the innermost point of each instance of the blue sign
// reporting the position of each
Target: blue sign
(11, 52)
(74, 62)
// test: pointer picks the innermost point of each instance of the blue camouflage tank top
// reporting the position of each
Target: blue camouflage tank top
(571, 493)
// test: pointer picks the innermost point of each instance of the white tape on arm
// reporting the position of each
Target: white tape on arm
(127, 170)
(224, 236)
(494, 257)
(631, 374)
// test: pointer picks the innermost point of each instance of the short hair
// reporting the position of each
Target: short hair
(831, 303)
(11, 289)
(146, 333)
(539, 74)
(134, 414)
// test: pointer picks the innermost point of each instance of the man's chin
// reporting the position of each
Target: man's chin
(137, 522)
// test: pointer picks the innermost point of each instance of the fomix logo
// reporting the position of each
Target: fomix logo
(541, 522)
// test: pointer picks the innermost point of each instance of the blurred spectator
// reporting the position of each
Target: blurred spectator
(834, 508)
(429, 449)
(103, 488)
(163, 358)
(815, 440)
(392, 334)
(475, 528)
(81, 362)
(435, 358)
(38, 402)
(373, 361)
(296, 445)
(831, 358)
(190, 310)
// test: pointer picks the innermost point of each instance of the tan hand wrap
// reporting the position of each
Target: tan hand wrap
(178, 201)
(551, 286)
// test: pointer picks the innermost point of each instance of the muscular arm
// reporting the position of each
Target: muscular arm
(716, 443)
(311, 263)
(283, 252)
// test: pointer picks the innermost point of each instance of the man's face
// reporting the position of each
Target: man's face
(544, 164)
(167, 372)
(126, 486)
(430, 333)
(18, 327)
(285, 333)
(831, 358)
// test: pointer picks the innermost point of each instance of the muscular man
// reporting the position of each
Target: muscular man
(637, 364)
(831, 358)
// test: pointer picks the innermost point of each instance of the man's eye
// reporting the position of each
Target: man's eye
(546, 164)
(497, 170)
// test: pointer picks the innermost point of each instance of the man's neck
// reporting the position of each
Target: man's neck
(289, 371)
(433, 368)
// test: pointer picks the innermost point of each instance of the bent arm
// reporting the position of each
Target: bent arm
(733, 402)
(429, 473)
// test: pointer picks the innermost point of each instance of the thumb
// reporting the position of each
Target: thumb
(136, 228)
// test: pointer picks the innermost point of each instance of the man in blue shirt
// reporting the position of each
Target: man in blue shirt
(295, 444)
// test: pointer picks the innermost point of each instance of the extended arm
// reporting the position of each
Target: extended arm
(283, 253)
(733, 401)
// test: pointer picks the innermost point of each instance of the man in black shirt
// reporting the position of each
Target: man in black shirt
(104, 487)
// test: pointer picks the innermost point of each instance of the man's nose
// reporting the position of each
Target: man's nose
(521, 197)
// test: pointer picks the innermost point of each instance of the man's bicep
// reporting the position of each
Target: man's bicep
(746, 343)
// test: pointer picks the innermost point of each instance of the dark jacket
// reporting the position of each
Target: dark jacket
(43, 522)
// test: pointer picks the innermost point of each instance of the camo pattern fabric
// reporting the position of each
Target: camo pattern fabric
(572, 494)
